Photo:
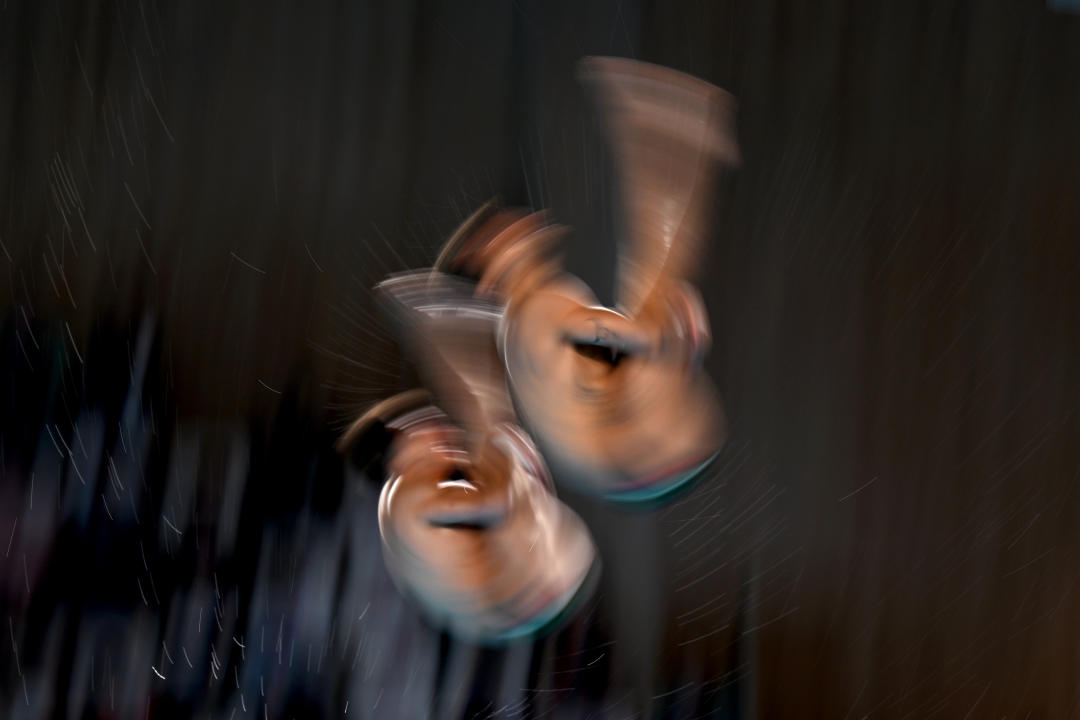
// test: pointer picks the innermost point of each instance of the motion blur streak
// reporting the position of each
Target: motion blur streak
(891, 283)
(203, 592)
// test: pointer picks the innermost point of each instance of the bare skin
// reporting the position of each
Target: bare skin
(471, 528)
(618, 403)
(616, 397)
(479, 539)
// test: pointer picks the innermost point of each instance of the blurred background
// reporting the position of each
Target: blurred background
(196, 199)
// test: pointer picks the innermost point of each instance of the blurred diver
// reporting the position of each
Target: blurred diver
(470, 525)
(617, 398)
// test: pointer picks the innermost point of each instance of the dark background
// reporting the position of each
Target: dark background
(196, 198)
